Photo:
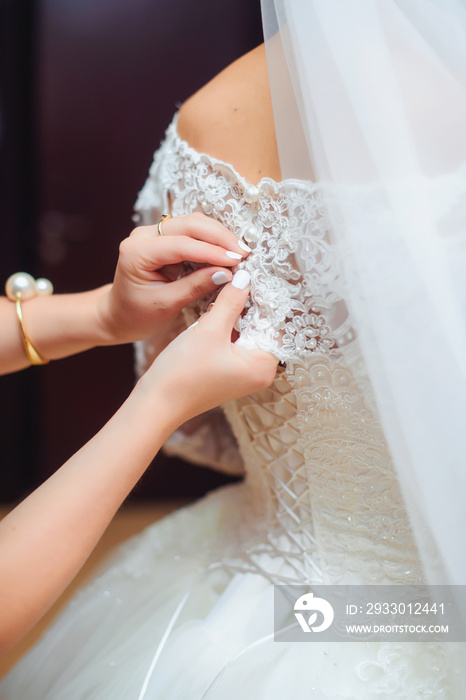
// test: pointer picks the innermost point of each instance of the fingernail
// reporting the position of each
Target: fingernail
(235, 256)
(241, 279)
(244, 246)
(237, 325)
(220, 278)
(192, 325)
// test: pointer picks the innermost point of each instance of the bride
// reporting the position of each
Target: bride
(350, 192)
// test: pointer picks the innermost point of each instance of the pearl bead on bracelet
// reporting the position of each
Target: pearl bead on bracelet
(20, 287)
(26, 287)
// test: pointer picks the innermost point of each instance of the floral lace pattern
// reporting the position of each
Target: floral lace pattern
(284, 316)
(314, 453)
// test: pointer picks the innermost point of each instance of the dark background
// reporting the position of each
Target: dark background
(87, 88)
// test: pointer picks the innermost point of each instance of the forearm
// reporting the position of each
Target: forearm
(47, 538)
(58, 326)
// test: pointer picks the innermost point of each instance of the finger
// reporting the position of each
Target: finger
(178, 294)
(154, 253)
(264, 366)
(204, 228)
(230, 303)
(143, 232)
(199, 227)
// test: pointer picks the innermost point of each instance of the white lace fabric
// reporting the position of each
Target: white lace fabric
(284, 318)
(323, 503)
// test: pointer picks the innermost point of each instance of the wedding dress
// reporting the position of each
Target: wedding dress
(185, 610)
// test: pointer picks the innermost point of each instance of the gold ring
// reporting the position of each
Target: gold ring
(159, 225)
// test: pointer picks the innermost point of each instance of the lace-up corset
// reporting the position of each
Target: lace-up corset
(322, 499)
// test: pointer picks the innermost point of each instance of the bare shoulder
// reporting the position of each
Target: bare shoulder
(231, 118)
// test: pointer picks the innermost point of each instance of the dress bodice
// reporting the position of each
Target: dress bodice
(322, 501)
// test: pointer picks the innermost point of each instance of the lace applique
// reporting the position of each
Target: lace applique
(316, 460)
(284, 316)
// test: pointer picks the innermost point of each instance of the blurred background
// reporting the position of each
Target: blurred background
(87, 88)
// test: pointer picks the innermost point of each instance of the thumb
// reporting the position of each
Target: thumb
(183, 291)
(230, 302)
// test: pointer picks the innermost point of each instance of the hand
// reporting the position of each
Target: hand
(146, 294)
(203, 368)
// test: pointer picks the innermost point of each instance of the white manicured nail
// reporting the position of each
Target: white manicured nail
(235, 256)
(241, 279)
(244, 246)
(192, 325)
(220, 278)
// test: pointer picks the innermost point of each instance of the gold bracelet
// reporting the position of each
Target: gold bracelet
(33, 355)
(20, 287)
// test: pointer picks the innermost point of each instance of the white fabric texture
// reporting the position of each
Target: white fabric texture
(211, 444)
(186, 609)
(370, 101)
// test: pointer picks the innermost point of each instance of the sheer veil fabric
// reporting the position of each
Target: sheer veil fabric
(369, 101)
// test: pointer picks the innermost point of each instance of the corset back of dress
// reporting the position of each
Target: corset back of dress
(321, 495)
(321, 482)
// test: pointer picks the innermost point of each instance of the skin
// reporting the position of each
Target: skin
(231, 118)
(46, 539)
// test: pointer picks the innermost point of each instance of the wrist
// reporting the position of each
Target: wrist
(90, 323)
(64, 324)
(159, 399)
(107, 330)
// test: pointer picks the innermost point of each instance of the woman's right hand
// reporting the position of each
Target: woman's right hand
(202, 368)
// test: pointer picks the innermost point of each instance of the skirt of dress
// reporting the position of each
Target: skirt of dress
(167, 620)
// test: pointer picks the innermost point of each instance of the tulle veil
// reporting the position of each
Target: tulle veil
(369, 100)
